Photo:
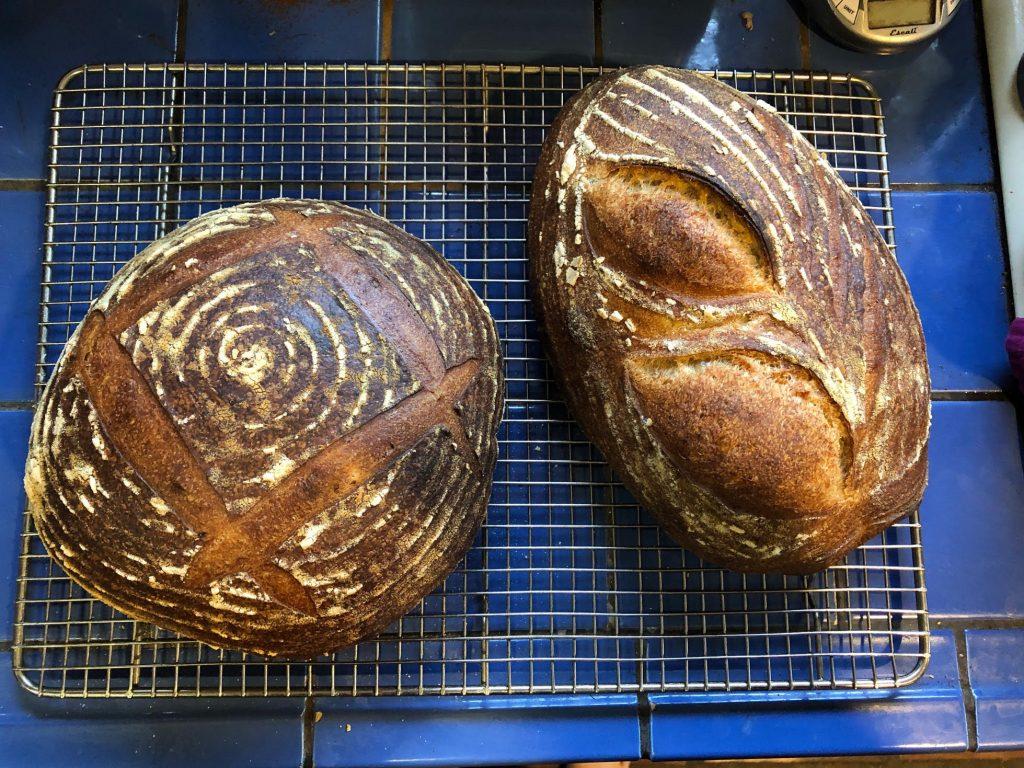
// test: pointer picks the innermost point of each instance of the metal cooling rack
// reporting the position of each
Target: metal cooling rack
(569, 588)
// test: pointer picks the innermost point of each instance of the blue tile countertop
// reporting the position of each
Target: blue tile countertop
(947, 215)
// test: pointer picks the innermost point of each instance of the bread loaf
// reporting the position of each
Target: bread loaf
(275, 429)
(727, 323)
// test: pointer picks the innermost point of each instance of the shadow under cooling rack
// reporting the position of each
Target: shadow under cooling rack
(569, 587)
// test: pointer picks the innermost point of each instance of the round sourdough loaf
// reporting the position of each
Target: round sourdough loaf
(275, 430)
(727, 323)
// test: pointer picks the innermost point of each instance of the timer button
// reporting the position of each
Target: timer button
(848, 9)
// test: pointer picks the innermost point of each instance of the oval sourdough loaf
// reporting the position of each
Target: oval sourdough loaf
(275, 429)
(727, 323)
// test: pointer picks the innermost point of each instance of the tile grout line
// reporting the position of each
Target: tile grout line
(308, 732)
(805, 42)
(179, 31)
(961, 623)
(967, 395)
(970, 706)
(644, 709)
(17, 405)
(931, 186)
(386, 20)
(22, 185)
(170, 209)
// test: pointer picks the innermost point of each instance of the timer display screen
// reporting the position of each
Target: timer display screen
(900, 13)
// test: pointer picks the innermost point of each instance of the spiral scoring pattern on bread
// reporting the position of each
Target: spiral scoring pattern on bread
(259, 380)
(727, 322)
(275, 429)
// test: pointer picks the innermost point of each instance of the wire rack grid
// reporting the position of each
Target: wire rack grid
(569, 587)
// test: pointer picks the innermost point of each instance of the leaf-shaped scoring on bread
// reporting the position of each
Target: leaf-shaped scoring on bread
(715, 398)
(680, 232)
(761, 431)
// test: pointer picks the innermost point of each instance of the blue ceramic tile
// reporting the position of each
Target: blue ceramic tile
(926, 716)
(39, 42)
(973, 512)
(950, 248)
(161, 732)
(513, 31)
(936, 113)
(14, 426)
(701, 34)
(21, 238)
(995, 664)
(475, 730)
(255, 30)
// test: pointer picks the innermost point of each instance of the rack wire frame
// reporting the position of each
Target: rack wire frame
(569, 586)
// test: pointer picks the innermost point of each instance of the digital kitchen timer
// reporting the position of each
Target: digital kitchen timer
(883, 26)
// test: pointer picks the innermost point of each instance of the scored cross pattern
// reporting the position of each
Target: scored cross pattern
(144, 433)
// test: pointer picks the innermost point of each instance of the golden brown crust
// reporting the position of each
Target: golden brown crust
(727, 323)
(275, 430)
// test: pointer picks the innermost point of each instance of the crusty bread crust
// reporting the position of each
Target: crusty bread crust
(727, 323)
(275, 430)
